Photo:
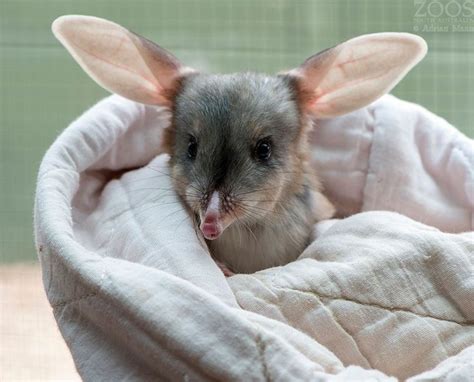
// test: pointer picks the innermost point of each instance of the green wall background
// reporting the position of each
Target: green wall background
(42, 89)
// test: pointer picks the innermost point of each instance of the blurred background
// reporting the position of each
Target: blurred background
(42, 90)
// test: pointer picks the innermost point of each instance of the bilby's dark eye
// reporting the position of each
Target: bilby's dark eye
(263, 149)
(192, 148)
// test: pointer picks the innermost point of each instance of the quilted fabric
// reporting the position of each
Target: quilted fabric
(380, 295)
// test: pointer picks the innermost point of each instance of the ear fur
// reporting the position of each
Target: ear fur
(119, 60)
(357, 72)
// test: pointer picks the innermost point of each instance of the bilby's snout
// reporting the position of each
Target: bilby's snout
(210, 217)
(216, 215)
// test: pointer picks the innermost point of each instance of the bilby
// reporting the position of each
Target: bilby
(239, 157)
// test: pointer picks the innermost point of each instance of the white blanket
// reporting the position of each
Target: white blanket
(378, 295)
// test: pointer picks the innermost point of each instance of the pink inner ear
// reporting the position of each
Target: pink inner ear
(147, 77)
(319, 104)
(118, 60)
(357, 72)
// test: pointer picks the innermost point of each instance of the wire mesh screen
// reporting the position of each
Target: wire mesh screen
(42, 89)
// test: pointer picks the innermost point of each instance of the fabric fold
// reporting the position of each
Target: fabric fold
(378, 295)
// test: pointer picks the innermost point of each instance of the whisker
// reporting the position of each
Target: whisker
(173, 177)
(264, 209)
(253, 191)
(247, 227)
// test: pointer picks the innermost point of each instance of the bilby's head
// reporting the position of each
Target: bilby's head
(237, 142)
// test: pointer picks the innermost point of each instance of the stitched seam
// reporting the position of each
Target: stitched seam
(261, 351)
(347, 332)
(440, 341)
(428, 246)
(94, 293)
(375, 305)
(64, 303)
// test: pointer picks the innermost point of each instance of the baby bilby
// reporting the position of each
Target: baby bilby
(239, 156)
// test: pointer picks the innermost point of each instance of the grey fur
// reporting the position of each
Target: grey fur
(228, 115)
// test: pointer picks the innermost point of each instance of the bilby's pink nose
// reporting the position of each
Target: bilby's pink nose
(211, 217)
(211, 226)
(210, 231)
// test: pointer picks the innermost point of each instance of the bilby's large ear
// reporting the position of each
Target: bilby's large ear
(119, 60)
(357, 72)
